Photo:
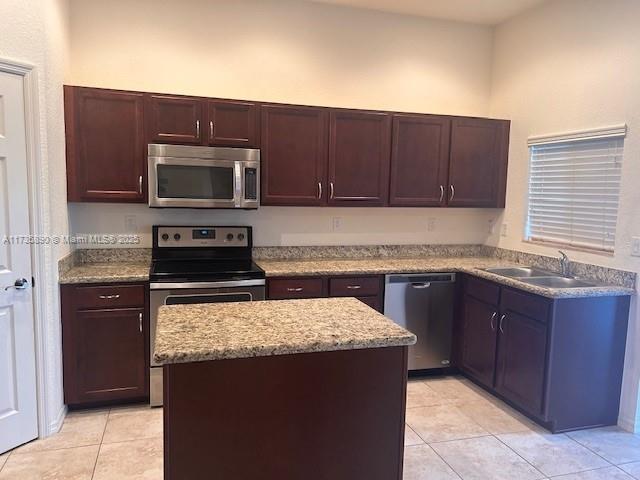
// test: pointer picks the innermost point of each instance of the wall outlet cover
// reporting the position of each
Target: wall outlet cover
(130, 223)
(432, 224)
(635, 246)
(503, 230)
(336, 224)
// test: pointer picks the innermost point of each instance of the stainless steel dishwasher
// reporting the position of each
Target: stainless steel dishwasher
(423, 304)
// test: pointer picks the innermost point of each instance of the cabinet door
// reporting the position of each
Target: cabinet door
(105, 355)
(359, 155)
(419, 160)
(106, 155)
(171, 119)
(294, 155)
(479, 327)
(522, 352)
(232, 123)
(478, 163)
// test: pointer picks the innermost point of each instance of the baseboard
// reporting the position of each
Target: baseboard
(56, 425)
(627, 424)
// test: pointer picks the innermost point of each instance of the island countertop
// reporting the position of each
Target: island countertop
(202, 332)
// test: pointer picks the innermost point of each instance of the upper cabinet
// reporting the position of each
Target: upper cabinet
(232, 123)
(359, 155)
(419, 161)
(198, 121)
(106, 151)
(478, 164)
(310, 156)
(294, 155)
(172, 119)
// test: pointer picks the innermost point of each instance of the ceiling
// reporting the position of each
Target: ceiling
(484, 12)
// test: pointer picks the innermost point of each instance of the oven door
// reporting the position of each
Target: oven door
(181, 296)
(194, 182)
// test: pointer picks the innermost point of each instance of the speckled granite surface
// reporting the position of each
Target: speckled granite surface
(472, 265)
(105, 273)
(195, 333)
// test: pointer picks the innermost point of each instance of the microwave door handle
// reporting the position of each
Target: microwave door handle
(238, 193)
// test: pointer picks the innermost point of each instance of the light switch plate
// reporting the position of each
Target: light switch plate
(431, 224)
(635, 246)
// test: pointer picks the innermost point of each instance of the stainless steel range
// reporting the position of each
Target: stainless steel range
(196, 264)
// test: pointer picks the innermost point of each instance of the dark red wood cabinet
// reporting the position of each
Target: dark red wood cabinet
(559, 361)
(232, 123)
(368, 289)
(174, 119)
(359, 154)
(106, 151)
(478, 162)
(105, 344)
(294, 147)
(419, 161)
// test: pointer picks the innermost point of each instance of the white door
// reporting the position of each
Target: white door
(18, 414)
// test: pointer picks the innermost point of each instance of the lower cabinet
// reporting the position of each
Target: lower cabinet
(368, 289)
(559, 361)
(105, 344)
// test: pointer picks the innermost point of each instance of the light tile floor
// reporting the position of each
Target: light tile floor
(454, 431)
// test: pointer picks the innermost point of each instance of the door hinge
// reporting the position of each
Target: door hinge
(33, 282)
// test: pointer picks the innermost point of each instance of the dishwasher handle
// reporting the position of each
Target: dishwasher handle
(421, 285)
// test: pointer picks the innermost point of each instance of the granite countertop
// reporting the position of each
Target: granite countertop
(470, 265)
(106, 272)
(195, 333)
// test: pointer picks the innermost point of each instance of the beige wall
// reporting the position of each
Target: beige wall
(35, 32)
(287, 51)
(572, 65)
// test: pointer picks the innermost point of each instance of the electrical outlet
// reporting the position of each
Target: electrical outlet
(635, 246)
(336, 224)
(431, 224)
(503, 230)
(131, 223)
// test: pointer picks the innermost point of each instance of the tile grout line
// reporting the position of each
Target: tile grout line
(592, 451)
(544, 475)
(95, 464)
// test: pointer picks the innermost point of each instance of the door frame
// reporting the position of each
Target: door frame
(41, 257)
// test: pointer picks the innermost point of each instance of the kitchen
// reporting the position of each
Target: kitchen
(400, 168)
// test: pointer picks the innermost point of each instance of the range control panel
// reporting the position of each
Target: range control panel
(203, 237)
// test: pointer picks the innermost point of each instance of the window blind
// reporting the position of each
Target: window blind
(574, 189)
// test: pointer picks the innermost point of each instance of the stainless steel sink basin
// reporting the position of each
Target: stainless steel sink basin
(519, 272)
(556, 282)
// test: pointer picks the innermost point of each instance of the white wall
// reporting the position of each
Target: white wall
(295, 52)
(571, 65)
(36, 32)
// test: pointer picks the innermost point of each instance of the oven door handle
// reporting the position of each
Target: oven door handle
(238, 194)
(257, 282)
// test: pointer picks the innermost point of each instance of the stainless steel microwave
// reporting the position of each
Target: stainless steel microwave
(203, 177)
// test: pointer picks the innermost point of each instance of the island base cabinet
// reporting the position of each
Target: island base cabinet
(327, 415)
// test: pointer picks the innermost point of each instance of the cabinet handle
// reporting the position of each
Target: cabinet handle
(210, 129)
(109, 297)
(331, 190)
(354, 287)
(453, 192)
(441, 193)
(502, 320)
(140, 184)
(319, 191)
(198, 129)
(140, 322)
(296, 289)
(493, 317)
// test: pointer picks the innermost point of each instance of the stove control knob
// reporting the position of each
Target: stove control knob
(177, 237)
(165, 236)
(241, 236)
(229, 236)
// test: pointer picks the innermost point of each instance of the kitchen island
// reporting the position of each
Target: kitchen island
(294, 389)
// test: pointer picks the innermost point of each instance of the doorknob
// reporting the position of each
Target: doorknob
(20, 284)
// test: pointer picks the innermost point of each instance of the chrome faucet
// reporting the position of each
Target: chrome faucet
(564, 264)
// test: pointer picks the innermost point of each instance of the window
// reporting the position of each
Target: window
(574, 188)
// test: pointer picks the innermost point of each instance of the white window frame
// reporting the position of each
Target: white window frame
(612, 132)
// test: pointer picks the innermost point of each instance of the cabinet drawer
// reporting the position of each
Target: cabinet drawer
(525, 304)
(482, 290)
(354, 286)
(109, 296)
(283, 288)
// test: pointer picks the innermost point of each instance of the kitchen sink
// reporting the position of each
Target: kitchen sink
(556, 282)
(519, 272)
